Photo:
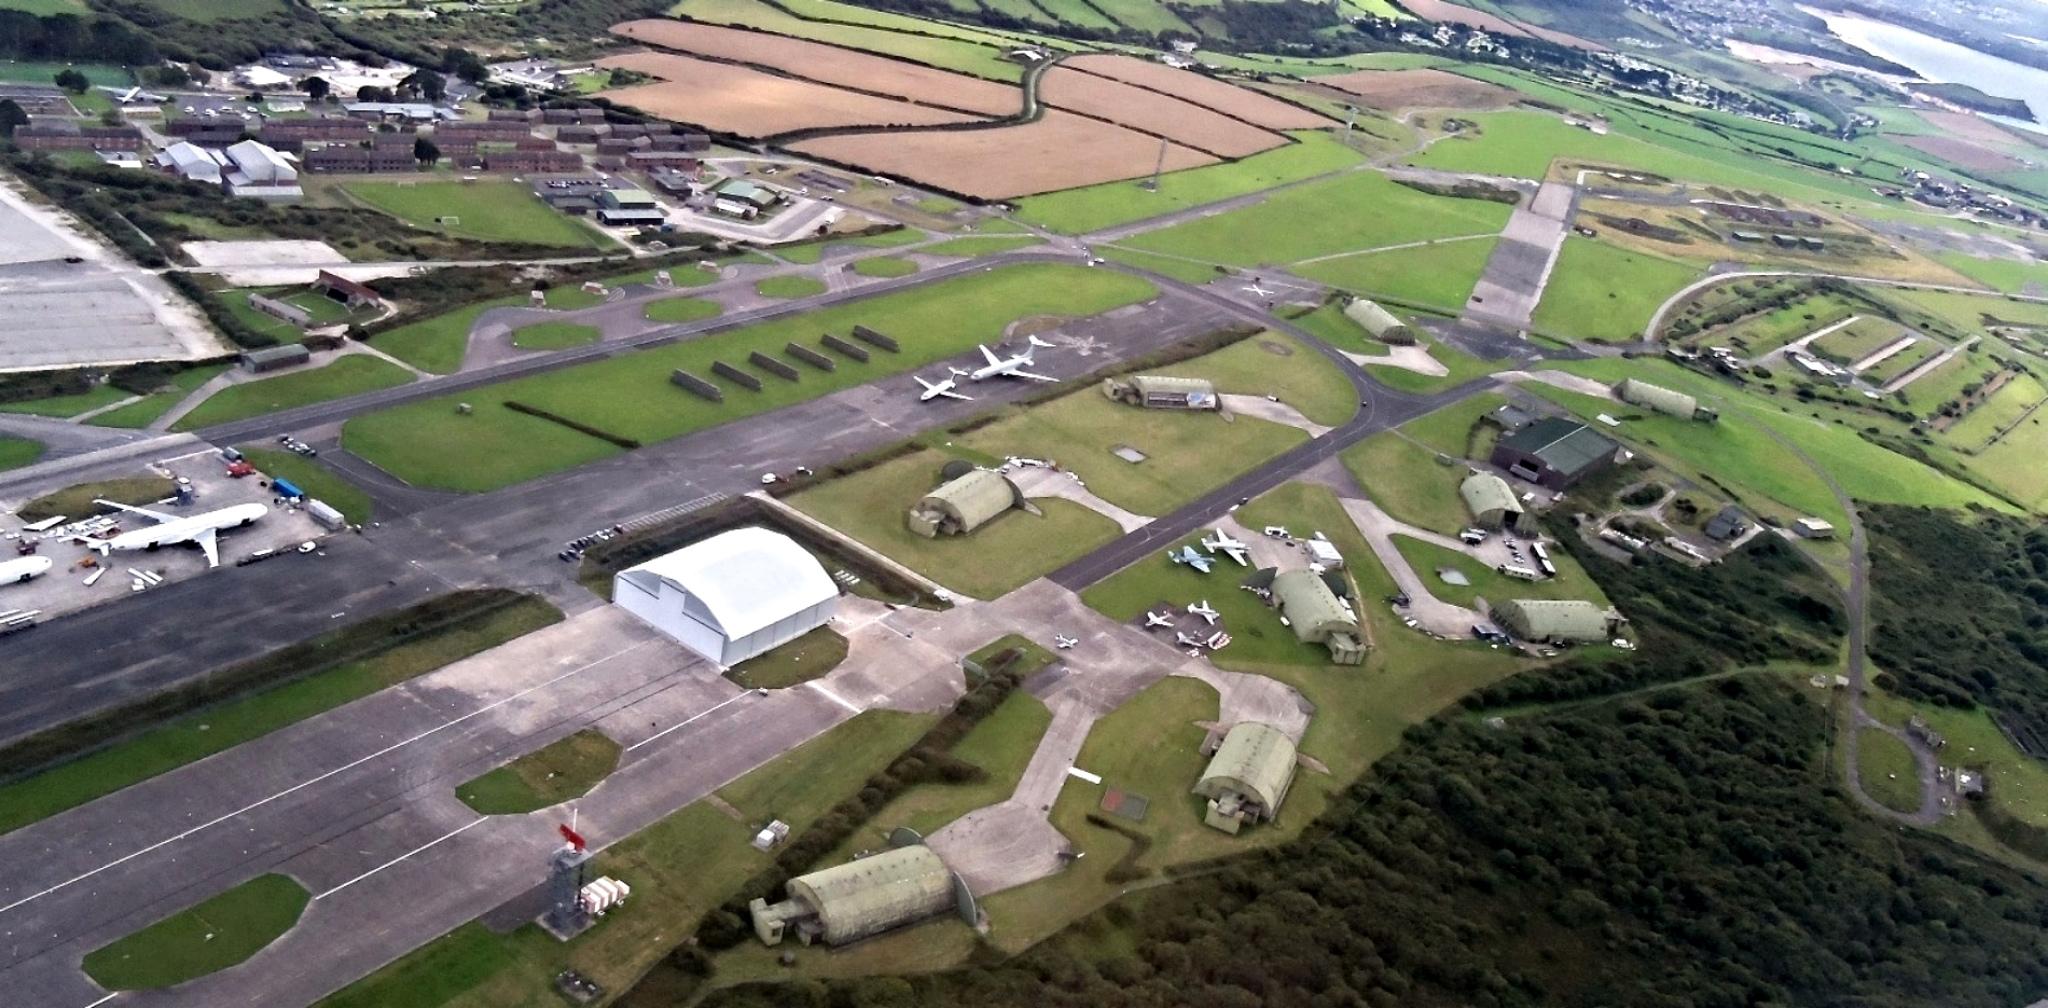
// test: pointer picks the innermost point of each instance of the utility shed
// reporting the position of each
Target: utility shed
(273, 358)
(849, 902)
(1661, 399)
(732, 596)
(1248, 776)
(1554, 452)
(1492, 502)
(1318, 616)
(963, 504)
(1378, 321)
(1163, 392)
(1558, 620)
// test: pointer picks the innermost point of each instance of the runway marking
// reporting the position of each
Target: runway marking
(451, 834)
(104, 1000)
(209, 824)
(705, 713)
(834, 697)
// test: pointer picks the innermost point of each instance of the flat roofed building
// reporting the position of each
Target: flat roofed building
(759, 196)
(1813, 528)
(1163, 392)
(273, 358)
(1565, 621)
(732, 596)
(1554, 452)
(1659, 398)
(963, 504)
(1492, 502)
(1248, 777)
(852, 901)
(1318, 616)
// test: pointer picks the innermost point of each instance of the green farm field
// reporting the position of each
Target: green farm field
(486, 211)
(1089, 208)
(994, 560)
(1603, 293)
(345, 376)
(630, 395)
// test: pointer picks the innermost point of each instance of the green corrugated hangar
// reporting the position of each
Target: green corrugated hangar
(1248, 777)
(1492, 502)
(1318, 616)
(849, 902)
(1163, 392)
(1563, 621)
(1380, 322)
(964, 503)
(1661, 399)
(1554, 452)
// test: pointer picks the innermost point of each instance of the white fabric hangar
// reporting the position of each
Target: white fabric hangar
(732, 596)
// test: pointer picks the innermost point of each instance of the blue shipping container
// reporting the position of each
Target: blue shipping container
(286, 488)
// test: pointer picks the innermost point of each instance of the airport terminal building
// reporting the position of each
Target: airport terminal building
(732, 596)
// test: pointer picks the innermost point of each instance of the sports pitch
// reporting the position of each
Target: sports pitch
(486, 211)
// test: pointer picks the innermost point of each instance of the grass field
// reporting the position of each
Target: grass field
(438, 344)
(554, 336)
(2012, 401)
(630, 395)
(2013, 464)
(1187, 453)
(814, 250)
(1765, 332)
(1090, 208)
(1184, 270)
(1449, 430)
(1459, 367)
(320, 310)
(799, 661)
(884, 266)
(1998, 274)
(218, 10)
(223, 727)
(1887, 769)
(1277, 364)
(1344, 214)
(980, 245)
(344, 376)
(563, 769)
(1406, 481)
(1439, 275)
(1900, 363)
(675, 310)
(145, 411)
(66, 406)
(2019, 783)
(486, 211)
(317, 480)
(1156, 584)
(1602, 293)
(790, 287)
(1858, 340)
(17, 452)
(35, 72)
(989, 562)
(206, 938)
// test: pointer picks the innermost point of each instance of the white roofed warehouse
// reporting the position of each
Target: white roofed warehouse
(732, 596)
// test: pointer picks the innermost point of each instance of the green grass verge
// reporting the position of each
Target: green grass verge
(1406, 481)
(438, 344)
(1184, 270)
(981, 245)
(790, 287)
(217, 729)
(486, 211)
(682, 309)
(1277, 364)
(65, 406)
(345, 376)
(17, 452)
(799, 661)
(317, 480)
(145, 411)
(77, 501)
(884, 266)
(1439, 275)
(203, 939)
(428, 444)
(1603, 293)
(554, 336)
(563, 769)
(1887, 770)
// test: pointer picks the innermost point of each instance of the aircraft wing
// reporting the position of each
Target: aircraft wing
(1031, 376)
(950, 394)
(209, 541)
(158, 516)
(991, 355)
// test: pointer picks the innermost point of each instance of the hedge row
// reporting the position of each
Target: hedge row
(575, 425)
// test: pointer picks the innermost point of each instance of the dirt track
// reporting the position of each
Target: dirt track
(1060, 151)
(1203, 90)
(751, 103)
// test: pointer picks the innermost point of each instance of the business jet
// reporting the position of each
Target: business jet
(1153, 619)
(1220, 541)
(943, 387)
(170, 530)
(1010, 367)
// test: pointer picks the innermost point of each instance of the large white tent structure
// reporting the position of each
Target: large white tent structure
(732, 596)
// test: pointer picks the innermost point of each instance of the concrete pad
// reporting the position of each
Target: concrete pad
(277, 252)
(1408, 358)
(1431, 613)
(1272, 412)
(1562, 379)
(1036, 481)
(1000, 847)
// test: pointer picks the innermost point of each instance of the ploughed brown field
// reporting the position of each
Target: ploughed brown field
(1445, 10)
(1059, 151)
(1154, 113)
(1389, 90)
(1963, 152)
(752, 103)
(830, 65)
(1203, 90)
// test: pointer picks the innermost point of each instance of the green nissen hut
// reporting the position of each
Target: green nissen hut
(1378, 321)
(1318, 616)
(1248, 776)
(963, 504)
(1661, 399)
(849, 902)
(1559, 621)
(1492, 502)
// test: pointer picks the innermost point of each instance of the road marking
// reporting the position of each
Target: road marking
(104, 1000)
(209, 824)
(706, 713)
(834, 697)
(451, 834)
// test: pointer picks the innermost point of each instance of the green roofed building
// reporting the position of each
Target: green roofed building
(1554, 452)
(849, 902)
(964, 503)
(1163, 392)
(1563, 621)
(1318, 616)
(1381, 323)
(1661, 399)
(1248, 776)
(1492, 502)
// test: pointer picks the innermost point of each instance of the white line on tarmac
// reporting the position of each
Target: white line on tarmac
(124, 859)
(834, 697)
(706, 713)
(451, 834)
(104, 1000)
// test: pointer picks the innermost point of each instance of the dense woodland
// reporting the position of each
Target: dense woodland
(1677, 846)
(1960, 610)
